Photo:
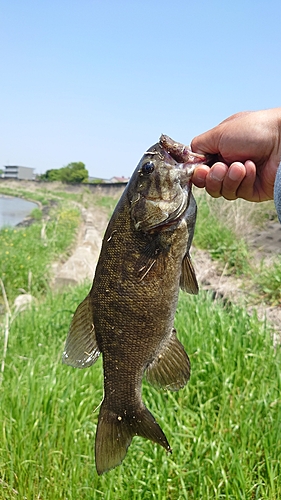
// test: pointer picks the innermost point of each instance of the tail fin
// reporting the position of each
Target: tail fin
(115, 433)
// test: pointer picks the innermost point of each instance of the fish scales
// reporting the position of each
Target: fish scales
(129, 313)
(125, 328)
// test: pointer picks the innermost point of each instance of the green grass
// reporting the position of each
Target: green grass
(31, 195)
(41, 193)
(268, 281)
(224, 427)
(218, 232)
(36, 214)
(214, 234)
(24, 251)
(71, 196)
(106, 202)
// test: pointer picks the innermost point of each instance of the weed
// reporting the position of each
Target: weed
(106, 202)
(24, 251)
(268, 280)
(213, 234)
(36, 214)
(224, 427)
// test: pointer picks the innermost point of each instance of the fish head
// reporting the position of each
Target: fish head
(159, 190)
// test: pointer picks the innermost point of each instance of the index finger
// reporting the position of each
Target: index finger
(199, 175)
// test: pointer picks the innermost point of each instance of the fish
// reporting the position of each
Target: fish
(128, 315)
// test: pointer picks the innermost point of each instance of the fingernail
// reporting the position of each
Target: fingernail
(218, 173)
(200, 178)
(234, 174)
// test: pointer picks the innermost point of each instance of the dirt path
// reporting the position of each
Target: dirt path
(82, 263)
(267, 242)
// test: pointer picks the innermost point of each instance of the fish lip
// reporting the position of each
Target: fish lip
(196, 158)
(180, 153)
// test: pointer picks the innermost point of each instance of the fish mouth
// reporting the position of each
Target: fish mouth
(183, 154)
(188, 167)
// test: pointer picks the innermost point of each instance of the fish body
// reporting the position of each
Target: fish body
(129, 312)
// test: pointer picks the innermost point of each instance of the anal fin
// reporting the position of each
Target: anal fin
(81, 349)
(171, 367)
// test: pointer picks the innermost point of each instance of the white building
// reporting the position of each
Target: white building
(15, 172)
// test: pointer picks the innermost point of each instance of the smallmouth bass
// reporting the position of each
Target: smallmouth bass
(129, 313)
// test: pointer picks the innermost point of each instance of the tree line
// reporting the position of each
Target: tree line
(74, 172)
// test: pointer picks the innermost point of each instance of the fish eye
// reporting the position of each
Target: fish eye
(147, 168)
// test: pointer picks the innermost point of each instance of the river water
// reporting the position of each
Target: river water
(14, 210)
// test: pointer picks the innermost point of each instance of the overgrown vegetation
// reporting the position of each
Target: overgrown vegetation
(56, 192)
(32, 249)
(224, 427)
(106, 202)
(42, 195)
(214, 235)
(269, 281)
(39, 196)
(222, 229)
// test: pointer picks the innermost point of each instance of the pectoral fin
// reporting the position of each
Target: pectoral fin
(171, 367)
(81, 349)
(150, 262)
(188, 281)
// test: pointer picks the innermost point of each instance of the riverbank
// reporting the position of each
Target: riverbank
(254, 223)
(230, 404)
(13, 210)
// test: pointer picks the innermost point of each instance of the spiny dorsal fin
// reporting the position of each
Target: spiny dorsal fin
(81, 349)
(188, 281)
(171, 367)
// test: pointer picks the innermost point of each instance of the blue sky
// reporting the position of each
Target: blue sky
(99, 81)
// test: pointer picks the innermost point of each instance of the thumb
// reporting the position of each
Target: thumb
(205, 143)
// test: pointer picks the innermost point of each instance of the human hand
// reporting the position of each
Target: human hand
(248, 146)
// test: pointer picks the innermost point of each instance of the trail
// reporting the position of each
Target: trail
(80, 266)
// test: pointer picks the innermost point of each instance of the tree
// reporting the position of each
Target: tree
(74, 172)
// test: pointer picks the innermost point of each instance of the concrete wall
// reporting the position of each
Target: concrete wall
(114, 189)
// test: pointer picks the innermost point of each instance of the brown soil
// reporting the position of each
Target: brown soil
(266, 243)
(82, 263)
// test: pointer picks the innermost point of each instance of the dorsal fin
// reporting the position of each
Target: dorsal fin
(81, 349)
